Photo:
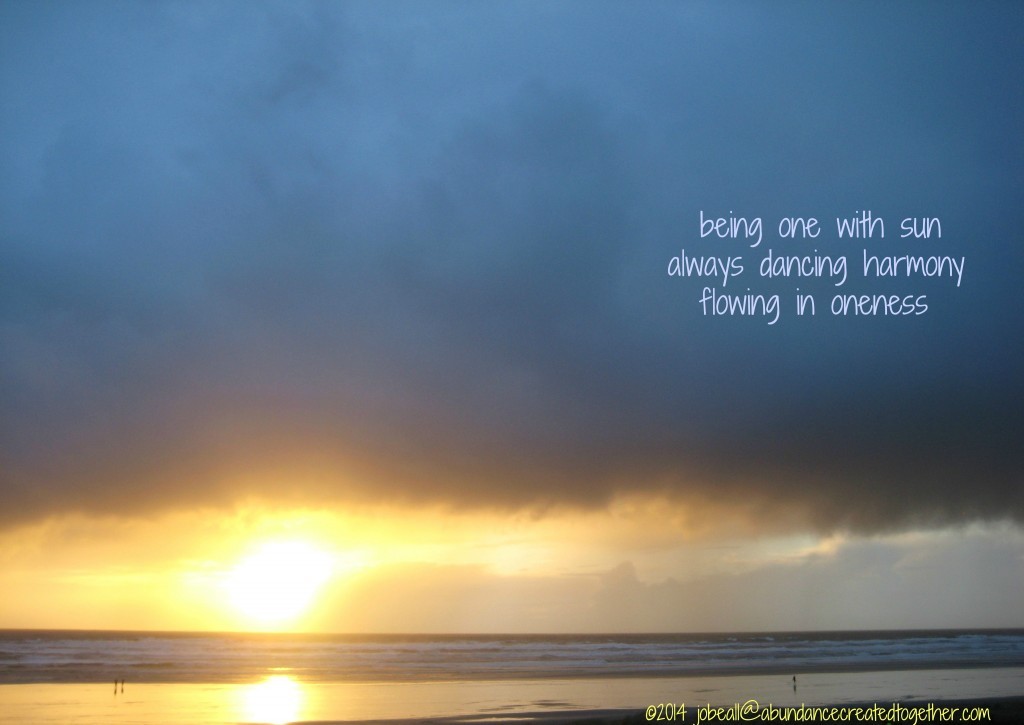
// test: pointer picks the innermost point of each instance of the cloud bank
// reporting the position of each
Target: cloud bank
(322, 253)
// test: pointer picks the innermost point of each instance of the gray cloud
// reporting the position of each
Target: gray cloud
(320, 253)
(866, 584)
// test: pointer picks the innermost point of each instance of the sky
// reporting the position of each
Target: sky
(390, 282)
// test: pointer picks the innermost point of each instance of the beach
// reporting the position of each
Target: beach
(53, 704)
(1002, 710)
(456, 363)
(67, 677)
(278, 699)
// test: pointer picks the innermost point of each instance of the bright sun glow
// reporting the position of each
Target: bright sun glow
(276, 700)
(277, 582)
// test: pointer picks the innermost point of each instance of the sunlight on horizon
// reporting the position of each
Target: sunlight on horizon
(278, 582)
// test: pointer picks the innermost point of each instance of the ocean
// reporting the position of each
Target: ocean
(68, 676)
(85, 656)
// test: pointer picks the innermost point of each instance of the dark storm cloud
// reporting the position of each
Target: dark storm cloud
(341, 251)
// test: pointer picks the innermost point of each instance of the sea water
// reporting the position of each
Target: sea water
(87, 656)
(67, 677)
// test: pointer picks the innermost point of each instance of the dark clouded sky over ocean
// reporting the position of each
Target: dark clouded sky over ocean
(416, 253)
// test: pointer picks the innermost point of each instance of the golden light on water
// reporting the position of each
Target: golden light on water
(277, 582)
(275, 701)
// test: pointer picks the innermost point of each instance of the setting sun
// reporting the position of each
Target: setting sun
(278, 581)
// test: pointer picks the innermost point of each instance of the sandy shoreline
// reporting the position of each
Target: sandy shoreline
(1001, 710)
(150, 677)
(538, 702)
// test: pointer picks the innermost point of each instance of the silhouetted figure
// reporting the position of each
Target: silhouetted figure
(122, 686)
(115, 687)
(794, 683)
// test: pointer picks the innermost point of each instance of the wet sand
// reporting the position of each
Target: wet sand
(1000, 710)
(280, 699)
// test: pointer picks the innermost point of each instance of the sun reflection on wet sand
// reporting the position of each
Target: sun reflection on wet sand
(282, 699)
(276, 700)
